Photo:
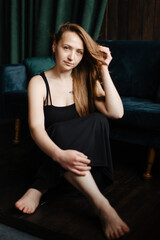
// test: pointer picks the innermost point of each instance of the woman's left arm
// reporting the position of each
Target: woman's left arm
(112, 105)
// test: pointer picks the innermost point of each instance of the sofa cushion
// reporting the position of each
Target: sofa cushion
(140, 113)
(36, 65)
(135, 67)
(131, 134)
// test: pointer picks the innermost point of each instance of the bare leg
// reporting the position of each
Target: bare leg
(113, 225)
(29, 201)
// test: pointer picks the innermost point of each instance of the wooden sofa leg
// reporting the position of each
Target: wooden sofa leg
(151, 157)
(17, 130)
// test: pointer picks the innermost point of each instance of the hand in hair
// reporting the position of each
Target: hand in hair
(74, 161)
(106, 55)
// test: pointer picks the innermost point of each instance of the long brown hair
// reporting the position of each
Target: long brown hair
(87, 72)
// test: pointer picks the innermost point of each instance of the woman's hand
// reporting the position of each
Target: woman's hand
(74, 161)
(106, 55)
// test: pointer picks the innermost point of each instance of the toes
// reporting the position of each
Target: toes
(31, 210)
(113, 236)
(28, 210)
(116, 233)
(122, 231)
(20, 207)
(127, 229)
(17, 204)
(25, 209)
(110, 234)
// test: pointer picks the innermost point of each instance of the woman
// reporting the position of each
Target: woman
(68, 110)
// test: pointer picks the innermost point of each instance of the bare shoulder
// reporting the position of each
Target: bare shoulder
(36, 88)
(37, 82)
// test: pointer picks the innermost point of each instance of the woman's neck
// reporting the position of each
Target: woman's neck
(61, 75)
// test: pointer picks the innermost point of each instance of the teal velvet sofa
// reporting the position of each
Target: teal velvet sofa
(135, 70)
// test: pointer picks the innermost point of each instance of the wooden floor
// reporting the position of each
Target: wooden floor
(66, 214)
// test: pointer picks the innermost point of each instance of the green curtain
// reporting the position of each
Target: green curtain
(27, 25)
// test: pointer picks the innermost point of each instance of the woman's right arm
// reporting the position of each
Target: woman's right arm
(71, 160)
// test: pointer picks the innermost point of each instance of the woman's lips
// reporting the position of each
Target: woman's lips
(68, 63)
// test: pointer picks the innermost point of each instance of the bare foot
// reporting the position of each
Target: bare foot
(29, 201)
(114, 227)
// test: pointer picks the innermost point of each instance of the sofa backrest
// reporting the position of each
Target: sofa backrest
(36, 65)
(135, 67)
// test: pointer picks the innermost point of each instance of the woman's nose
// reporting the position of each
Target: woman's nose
(71, 56)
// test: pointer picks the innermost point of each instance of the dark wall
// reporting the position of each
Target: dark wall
(132, 20)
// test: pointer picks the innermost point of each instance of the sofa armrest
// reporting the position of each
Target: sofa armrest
(13, 78)
(13, 84)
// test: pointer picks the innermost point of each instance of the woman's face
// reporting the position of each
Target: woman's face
(68, 51)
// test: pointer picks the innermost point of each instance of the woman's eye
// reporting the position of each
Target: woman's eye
(80, 52)
(65, 47)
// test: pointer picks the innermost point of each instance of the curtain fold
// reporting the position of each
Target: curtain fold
(27, 25)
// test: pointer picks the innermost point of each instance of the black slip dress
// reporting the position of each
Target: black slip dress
(88, 134)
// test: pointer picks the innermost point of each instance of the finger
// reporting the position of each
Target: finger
(78, 172)
(82, 154)
(85, 161)
(82, 160)
(81, 164)
(81, 168)
(104, 49)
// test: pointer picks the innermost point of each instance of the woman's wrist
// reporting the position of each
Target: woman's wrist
(104, 69)
(104, 66)
(58, 154)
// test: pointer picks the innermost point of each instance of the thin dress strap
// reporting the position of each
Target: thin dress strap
(47, 87)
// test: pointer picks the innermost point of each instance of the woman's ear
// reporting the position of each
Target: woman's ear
(54, 47)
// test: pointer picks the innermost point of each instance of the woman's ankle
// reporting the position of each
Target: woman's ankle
(99, 204)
